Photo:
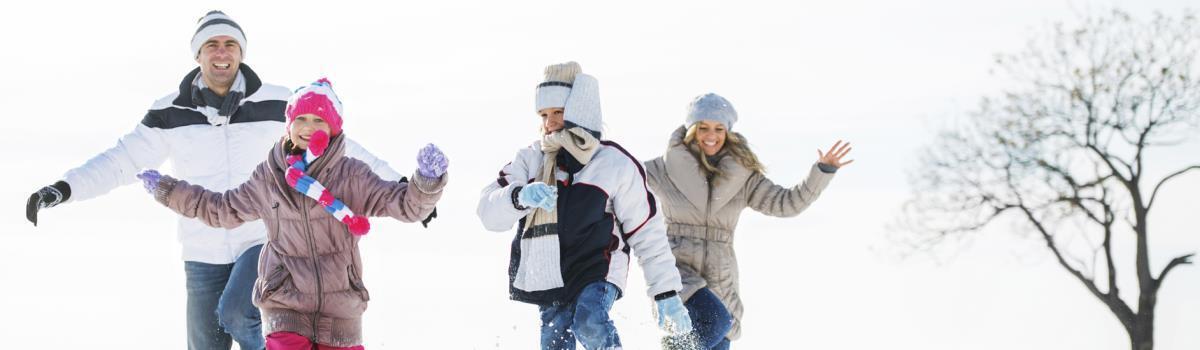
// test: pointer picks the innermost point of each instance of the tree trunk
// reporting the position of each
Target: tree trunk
(1142, 335)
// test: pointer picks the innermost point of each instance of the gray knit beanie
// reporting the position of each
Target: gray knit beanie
(711, 107)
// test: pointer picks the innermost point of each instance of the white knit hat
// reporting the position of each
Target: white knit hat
(216, 23)
(583, 104)
(711, 107)
(553, 92)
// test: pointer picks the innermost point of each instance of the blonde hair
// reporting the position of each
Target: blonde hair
(735, 146)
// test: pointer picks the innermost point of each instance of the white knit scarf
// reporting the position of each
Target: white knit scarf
(540, 267)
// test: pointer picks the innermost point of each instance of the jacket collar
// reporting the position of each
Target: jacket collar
(184, 98)
(685, 172)
(318, 169)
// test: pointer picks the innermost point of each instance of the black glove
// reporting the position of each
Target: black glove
(424, 223)
(46, 197)
(429, 218)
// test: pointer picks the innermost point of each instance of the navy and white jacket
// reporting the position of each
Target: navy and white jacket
(218, 157)
(604, 209)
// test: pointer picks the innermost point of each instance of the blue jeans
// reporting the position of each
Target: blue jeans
(710, 319)
(586, 319)
(219, 306)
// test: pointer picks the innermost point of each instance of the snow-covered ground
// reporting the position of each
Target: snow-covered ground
(106, 273)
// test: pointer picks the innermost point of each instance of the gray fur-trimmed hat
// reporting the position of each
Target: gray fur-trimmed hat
(711, 107)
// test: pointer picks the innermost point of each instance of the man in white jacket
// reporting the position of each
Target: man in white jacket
(215, 128)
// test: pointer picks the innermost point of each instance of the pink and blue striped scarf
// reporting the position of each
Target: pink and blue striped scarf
(309, 186)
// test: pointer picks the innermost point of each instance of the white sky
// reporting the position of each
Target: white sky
(461, 74)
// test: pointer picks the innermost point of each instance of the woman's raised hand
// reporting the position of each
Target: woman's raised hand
(835, 155)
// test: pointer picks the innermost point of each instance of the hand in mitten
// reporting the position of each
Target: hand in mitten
(673, 316)
(431, 162)
(150, 180)
(46, 197)
(538, 195)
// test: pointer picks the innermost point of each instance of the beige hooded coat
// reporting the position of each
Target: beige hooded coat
(701, 218)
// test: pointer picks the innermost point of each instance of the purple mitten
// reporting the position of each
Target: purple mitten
(431, 162)
(150, 179)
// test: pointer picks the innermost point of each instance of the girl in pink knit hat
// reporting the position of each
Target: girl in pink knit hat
(315, 203)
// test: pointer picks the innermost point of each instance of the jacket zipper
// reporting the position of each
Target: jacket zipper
(707, 227)
(312, 247)
(228, 172)
(262, 271)
(277, 227)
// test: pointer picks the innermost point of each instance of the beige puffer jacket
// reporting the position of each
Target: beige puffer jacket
(309, 271)
(701, 219)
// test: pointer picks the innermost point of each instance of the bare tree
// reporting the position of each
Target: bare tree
(1061, 153)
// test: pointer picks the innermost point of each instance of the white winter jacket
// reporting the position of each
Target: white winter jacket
(604, 209)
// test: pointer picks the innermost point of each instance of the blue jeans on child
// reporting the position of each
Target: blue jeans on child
(586, 319)
(710, 319)
(219, 306)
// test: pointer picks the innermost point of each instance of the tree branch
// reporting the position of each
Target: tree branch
(1108, 160)
(1123, 312)
(1112, 268)
(1179, 260)
(1154, 193)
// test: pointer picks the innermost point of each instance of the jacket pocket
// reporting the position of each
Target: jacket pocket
(274, 281)
(687, 252)
(722, 256)
(356, 283)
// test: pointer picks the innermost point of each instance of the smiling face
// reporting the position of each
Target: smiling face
(710, 136)
(219, 59)
(303, 127)
(552, 119)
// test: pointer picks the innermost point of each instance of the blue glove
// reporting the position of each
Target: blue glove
(538, 195)
(150, 180)
(431, 162)
(673, 316)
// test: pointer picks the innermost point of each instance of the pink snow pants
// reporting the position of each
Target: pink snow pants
(293, 341)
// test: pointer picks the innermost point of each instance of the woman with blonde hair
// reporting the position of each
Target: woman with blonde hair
(707, 176)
